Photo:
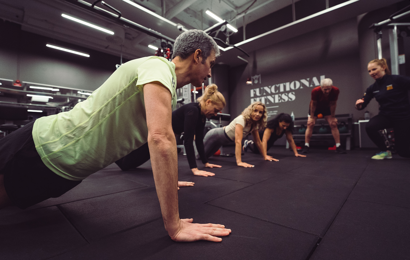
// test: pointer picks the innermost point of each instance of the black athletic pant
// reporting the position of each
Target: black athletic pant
(135, 158)
(253, 148)
(401, 129)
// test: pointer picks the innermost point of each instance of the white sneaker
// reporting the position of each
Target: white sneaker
(245, 144)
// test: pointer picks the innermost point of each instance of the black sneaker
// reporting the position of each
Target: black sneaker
(340, 150)
(305, 150)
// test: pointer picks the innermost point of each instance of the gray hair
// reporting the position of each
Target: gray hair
(326, 82)
(191, 40)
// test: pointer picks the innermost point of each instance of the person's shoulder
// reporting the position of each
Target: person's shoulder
(399, 78)
(240, 117)
(159, 62)
(335, 90)
(316, 89)
(271, 124)
(192, 107)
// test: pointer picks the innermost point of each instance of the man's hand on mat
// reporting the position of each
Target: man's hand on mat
(189, 232)
(210, 165)
(270, 158)
(197, 172)
(245, 165)
(185, 184)
(299, 155)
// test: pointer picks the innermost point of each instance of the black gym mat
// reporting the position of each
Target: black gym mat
(37, 234)
(98, 217)
(91, 187)
(250, 239)
(306, 203)
(209, 188)
(330, 170)
(277, 210)
(384, 186)
(365, 230)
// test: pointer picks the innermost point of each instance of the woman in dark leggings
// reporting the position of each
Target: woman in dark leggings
(275, 129)
(190, 120)
(391, 91)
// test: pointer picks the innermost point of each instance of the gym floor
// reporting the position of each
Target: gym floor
(325, 206)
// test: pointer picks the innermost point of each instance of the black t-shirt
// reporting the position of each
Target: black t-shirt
(188, 120)
(392, 94)
(273, 137)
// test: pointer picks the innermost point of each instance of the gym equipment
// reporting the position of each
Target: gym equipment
(302, 129)
(343, 127)
(393, 36)
(323, 129)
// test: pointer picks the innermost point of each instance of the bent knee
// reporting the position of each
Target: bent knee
(333, 125)
(311, 124)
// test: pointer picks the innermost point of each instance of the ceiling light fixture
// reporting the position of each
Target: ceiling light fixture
(34, 111)
(217, 18)
(37, 98)
(68, 50)
(31, 95)
(152, 47)
(149, 12)
(44, 88)
(84, 93)
(87, 24)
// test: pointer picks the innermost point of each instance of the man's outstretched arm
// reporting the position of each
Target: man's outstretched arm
(162, 147)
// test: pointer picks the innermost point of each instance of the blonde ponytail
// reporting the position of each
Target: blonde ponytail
(211, 92)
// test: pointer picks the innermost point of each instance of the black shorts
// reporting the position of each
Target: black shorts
(324, 111)
(27, 179)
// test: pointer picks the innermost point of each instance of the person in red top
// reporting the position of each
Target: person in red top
(323, 104)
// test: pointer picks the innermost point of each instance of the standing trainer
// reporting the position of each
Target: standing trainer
(323, 102)
(55, 153)
(392, 94)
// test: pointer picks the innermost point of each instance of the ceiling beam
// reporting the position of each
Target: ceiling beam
(178, 8)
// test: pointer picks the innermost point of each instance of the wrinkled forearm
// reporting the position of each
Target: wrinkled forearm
(165, 170)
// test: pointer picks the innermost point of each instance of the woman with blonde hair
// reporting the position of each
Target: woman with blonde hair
(391, 92)
(189, 119)
(275, 129)
(252, 119)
